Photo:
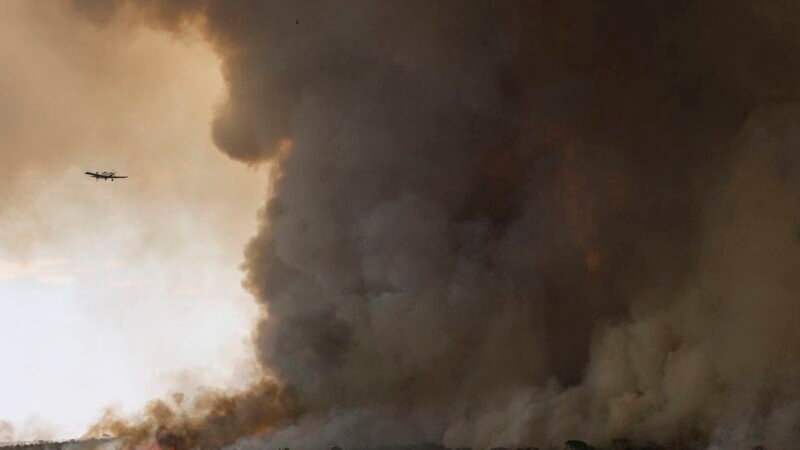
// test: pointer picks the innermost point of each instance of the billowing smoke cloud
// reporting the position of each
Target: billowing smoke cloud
(519, 222)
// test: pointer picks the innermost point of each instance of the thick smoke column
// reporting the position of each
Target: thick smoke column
(519, 222)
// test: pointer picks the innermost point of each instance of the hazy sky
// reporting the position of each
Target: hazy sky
(113, 293)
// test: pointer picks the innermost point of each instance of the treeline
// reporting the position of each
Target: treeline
(54, 445)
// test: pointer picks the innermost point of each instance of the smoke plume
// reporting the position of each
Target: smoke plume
(213, 420)
(506, 223)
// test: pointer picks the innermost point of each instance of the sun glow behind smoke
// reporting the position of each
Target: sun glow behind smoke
(112, 294)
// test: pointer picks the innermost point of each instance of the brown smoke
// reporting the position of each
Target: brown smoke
(213, 420)
(519, 222)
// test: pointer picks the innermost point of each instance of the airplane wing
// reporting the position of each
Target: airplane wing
(104, 175)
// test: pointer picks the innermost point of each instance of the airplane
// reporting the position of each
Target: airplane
(104, 175)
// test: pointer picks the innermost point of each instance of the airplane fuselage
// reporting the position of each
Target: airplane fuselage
(104, 175)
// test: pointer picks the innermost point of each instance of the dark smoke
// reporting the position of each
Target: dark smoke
(502, 223)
